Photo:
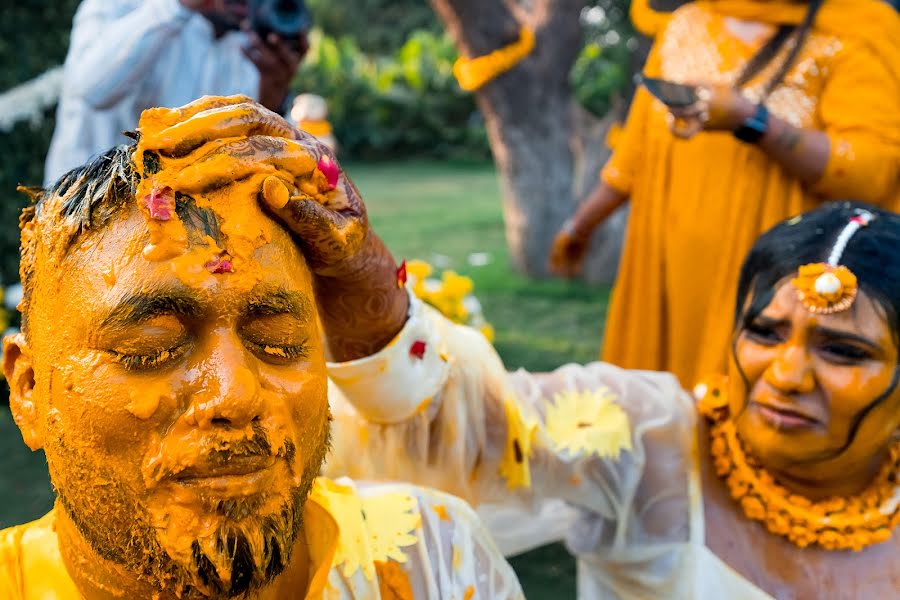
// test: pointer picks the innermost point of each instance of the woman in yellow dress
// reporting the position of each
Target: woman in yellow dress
(811, 87)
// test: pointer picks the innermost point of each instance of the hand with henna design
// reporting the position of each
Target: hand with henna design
(302, 185)
(362, 306)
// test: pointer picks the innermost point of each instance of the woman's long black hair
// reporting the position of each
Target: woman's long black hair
(873, 254)
(773, 47)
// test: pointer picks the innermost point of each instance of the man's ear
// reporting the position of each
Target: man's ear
(19, 372)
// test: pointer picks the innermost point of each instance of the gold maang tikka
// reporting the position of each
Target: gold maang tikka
(829, 287)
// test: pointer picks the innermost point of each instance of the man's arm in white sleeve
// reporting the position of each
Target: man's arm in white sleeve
(115, 43)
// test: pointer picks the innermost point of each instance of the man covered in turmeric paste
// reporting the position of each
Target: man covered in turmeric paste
(172, 366)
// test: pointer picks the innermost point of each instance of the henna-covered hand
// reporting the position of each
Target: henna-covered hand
(567, 253)
(361, 305)
(332, 231)
(222, 140)
(183, 130)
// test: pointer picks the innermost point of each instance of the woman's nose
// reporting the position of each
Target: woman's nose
(791, 371)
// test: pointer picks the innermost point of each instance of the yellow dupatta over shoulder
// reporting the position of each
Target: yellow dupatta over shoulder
(873, 21)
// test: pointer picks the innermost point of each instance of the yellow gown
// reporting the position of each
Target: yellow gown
(697, 206)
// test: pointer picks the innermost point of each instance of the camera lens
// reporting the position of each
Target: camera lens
(287, 18)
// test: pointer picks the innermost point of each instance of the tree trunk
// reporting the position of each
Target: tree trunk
(532, 121)
(589, 138)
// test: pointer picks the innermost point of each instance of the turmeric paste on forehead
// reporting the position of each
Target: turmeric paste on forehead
(182, 157)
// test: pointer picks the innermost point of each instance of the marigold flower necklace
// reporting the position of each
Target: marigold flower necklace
(839, 523)
(835, 523)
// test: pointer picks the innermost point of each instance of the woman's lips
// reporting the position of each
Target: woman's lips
(784, 417)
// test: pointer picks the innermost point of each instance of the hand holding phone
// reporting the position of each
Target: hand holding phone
(673, 95)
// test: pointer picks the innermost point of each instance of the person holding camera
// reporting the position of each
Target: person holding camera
(129, 55)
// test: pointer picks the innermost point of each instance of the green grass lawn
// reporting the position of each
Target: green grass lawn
(424, 209)
(442, 213)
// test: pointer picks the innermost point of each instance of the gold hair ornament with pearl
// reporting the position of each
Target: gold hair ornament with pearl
(828, 287)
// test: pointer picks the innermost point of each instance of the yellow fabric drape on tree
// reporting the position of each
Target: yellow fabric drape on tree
(474, 73)
(697, 206)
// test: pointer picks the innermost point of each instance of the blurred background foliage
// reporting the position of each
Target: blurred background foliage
(34, 36)
(379, 27)
(601, 77)
(385, 67)
(405, 103)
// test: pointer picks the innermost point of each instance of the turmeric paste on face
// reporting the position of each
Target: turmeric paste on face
(180, 379)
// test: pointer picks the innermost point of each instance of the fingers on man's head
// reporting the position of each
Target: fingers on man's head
(171, 116)
(240, 158)
(241, 119)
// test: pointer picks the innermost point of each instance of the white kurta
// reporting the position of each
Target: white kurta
(431, 543)
(129, 55)
(635, 522)
(446, 554)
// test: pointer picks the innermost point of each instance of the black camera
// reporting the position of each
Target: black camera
(285, 18)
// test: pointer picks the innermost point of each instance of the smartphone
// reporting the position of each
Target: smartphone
(672, 94)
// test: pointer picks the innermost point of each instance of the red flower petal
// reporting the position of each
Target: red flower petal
(160, 204)
(330, 170)
(219, 265)
(401, 275)
(417, 350)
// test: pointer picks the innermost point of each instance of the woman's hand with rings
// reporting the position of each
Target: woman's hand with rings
(687, 121)
(718, 108)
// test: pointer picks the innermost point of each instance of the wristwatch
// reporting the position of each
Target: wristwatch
(752, 130)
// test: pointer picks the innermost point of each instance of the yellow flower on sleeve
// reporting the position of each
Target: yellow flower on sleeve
(514, 465)
(391, 520)
(372, 529)
(456, 285)
(342, 503)
(451, 295)
(588, 421)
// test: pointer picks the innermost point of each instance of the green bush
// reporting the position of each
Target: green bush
(404, 104)
(34, 36)
(603, 68)
(378, 26)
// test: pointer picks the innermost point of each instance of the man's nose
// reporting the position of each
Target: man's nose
(791, 371)
(229, 391)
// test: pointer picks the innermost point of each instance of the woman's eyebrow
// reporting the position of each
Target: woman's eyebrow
(847, 335)
(769, 321)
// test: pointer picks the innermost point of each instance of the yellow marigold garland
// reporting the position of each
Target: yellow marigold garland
(473, 73)
(834, 523)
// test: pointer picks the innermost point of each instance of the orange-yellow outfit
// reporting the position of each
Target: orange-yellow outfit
(698, 205)
(366, 541)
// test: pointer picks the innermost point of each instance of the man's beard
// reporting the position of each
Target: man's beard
(246, 552)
